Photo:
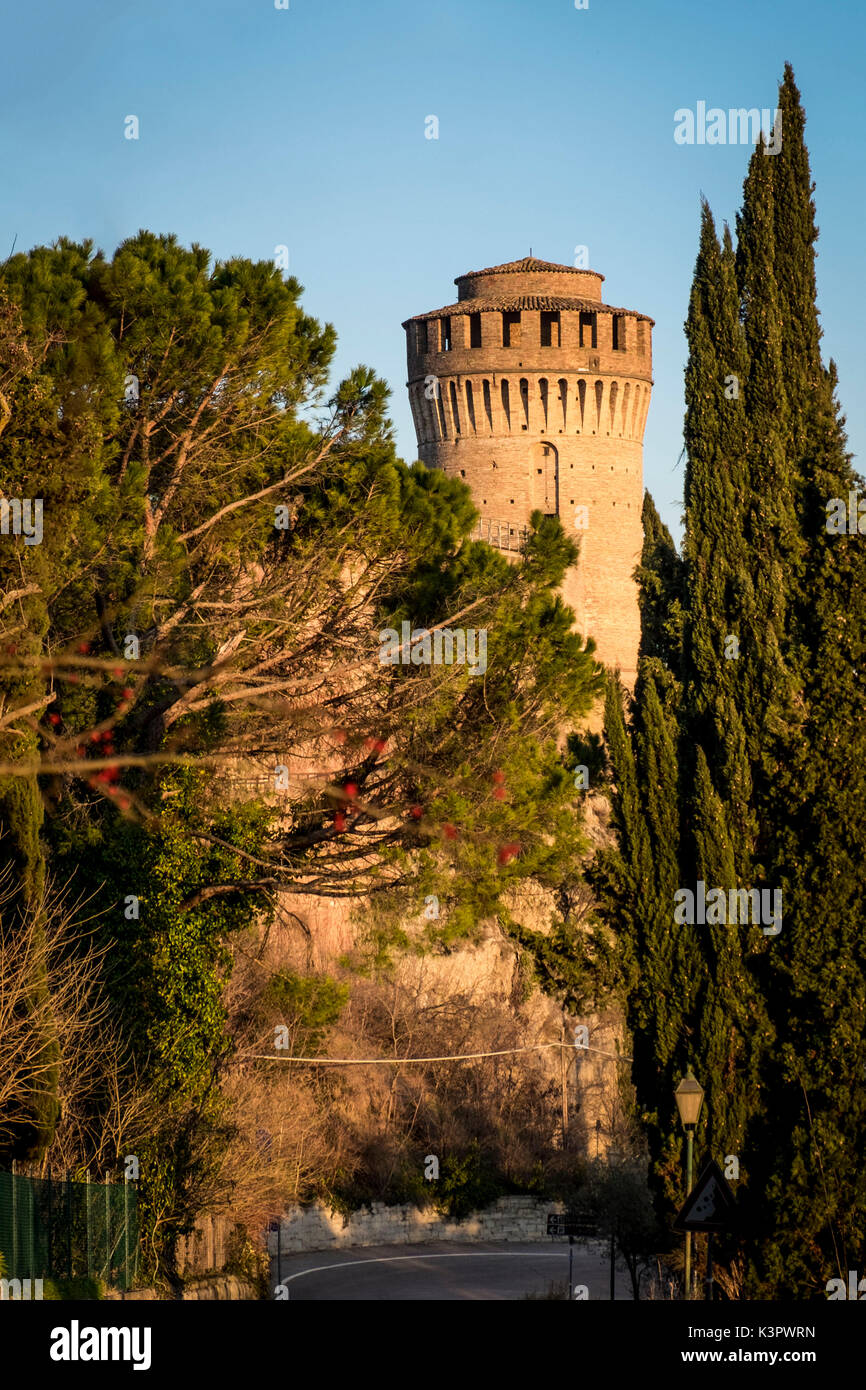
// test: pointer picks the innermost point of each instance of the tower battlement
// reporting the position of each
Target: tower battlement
(535, 392)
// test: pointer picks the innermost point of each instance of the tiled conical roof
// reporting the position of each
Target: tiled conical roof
(528, 263)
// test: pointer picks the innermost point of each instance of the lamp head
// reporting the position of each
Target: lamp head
(689, 1097)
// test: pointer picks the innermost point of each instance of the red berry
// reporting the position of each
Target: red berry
(350, 789)
(499, 793)
(84, 647)
(499, 778)
(54, 718)
(449, 831)
(339, 821)
(416, 812)
(127, 693)
(379, 745)
(94, 737)
(508, 852)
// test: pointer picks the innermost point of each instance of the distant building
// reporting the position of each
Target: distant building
(536, 394)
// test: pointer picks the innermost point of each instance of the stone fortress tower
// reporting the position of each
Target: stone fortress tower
(536, 393)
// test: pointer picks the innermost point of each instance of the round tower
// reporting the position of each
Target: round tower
(536, 393)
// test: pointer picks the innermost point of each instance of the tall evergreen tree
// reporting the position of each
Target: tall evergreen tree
(767, 748)
(817, 985)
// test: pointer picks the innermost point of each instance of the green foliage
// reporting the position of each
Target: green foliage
(619, 1198)
(751, 771)
(81, 1290)
(307, 1004)
(167, 973)
(468, 1182)
(224, 363)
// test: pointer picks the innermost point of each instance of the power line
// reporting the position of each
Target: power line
(400, 1061)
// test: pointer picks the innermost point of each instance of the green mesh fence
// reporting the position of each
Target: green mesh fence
(52, 1228)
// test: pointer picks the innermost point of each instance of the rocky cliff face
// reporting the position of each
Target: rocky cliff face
(313, 934)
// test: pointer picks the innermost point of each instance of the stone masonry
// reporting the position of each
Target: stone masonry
(318, 1228)
(536, 393)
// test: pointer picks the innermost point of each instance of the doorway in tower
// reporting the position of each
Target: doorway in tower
(546, 475)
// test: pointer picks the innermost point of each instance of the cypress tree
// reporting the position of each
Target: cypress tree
(766, 751)
(817, 983)
(636, 882)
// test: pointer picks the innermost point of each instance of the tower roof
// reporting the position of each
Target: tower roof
(512, 302)
(530, 284)
(528, 263)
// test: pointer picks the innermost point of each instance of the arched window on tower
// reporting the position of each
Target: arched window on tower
(545, 458)
(506, 404)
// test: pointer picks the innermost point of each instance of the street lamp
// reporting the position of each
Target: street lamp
(689, 1098)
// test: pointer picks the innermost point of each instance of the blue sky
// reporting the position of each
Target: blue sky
(305, 127)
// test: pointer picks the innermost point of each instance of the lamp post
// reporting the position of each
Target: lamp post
(689, 1098)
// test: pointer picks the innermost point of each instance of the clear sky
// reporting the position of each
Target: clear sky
(305, 127)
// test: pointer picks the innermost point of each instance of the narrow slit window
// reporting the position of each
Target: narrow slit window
(454, 411)
(488, 406)
(470, 405)
(563, 401)
(474, 330)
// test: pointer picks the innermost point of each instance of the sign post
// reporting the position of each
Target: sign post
(709, 1207)
(572, 1224)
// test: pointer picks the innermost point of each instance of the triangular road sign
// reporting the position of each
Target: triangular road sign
(710, 1203)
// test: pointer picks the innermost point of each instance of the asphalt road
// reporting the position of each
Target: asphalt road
(445, 1272)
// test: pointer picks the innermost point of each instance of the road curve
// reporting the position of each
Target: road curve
(444, 1272)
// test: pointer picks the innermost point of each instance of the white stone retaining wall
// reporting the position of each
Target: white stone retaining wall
(318, 1228)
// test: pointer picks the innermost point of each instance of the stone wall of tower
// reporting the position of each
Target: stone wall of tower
(552, 419)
